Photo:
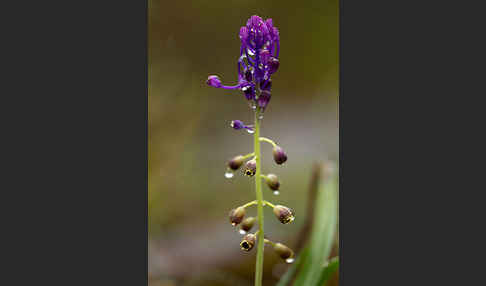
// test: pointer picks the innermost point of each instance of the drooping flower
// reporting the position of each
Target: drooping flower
(237, 215)
(283, 251)
(235, 163)
(284, 214)
(250, 168)
(248, 223)
(272, 182)
(279, 155)
(248, 242)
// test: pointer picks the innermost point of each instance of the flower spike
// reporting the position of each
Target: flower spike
(258, 60)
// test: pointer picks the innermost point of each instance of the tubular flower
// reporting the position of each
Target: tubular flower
(284, 214)
(283, 251)
(258, 60)
(237, 215)
(236, 162)
(248, 242)
(250, 168)
(279, 155)
(272, 182)
(248, 223)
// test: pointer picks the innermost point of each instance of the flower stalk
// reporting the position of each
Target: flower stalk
(259, 196)
(263, 139)
(258, 61)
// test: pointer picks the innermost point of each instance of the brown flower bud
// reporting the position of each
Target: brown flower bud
(272, 182)
(283, 251)
(247, 223)
(236, 162)
(248, 242)
(284, 214)
(236, 215)
(279, 155)
(250, 168)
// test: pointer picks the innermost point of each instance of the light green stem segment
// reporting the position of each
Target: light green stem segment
(267, 203)
(249, 204)
(255, 202)
(269, 242)
(264, 139)
(248, 156)
(259, 196)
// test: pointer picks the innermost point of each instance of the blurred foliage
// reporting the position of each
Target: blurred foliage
(328, 270)
(313, 266)
(190, 139)
(323, 233)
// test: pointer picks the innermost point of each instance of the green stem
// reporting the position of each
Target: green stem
(248, 156)
(255, 202)
(269, 203)
(259, 196)
(269, 242)
(250, 204)
(268, 141)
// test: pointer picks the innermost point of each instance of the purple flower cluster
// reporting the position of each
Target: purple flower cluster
(260, 46)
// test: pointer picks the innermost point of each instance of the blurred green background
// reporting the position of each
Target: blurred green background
(190, 239)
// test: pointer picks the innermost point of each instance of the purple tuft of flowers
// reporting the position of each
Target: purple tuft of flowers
(258, 60)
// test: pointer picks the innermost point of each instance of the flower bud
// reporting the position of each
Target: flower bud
(237, 124)
(247, 223)
(283, 251)
(273, 65)
(264, 98)
(236, 215)
(250, 168)
(249, 92)
(264, 56)
(236, 162)
(248, 75)
(214, 81)
(272, 182)
(248, 242)
(284, 214)
(266, 85)
(244, 34)
(279, 155)
(259, 74)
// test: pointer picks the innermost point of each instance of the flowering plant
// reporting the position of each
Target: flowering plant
(257, 62)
